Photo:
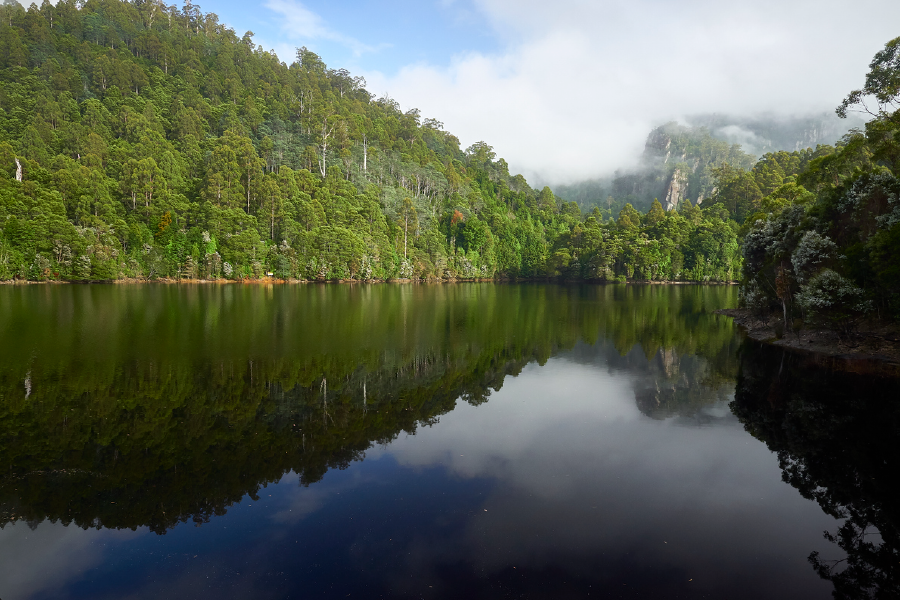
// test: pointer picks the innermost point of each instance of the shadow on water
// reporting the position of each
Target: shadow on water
(126, 406)
(835, 434)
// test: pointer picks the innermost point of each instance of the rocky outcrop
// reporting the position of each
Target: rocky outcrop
(658, 146)
(703, 195)
(676, 190)
(810, 138)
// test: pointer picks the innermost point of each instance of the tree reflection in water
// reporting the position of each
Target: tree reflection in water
(835, 432)
(155, 405)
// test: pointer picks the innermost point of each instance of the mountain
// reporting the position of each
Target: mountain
(761, 134)
(678, 159)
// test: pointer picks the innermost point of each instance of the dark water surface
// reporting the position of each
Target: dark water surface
(430, 441)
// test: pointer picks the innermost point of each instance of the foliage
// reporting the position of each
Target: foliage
(829, 298)
(827, 240)
(157, 143)
(882, 83)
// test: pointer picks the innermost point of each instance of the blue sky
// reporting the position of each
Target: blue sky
(367, 35)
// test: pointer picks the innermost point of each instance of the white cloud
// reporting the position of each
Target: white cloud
(574, 465)
(578, 85)
(301, 24)
(738, 134)
(46, 559)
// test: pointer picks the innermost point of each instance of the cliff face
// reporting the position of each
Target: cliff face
(677, 164)
(676, 161)
(764, 133)
(658, 144)
(810, 138)
(676, 190)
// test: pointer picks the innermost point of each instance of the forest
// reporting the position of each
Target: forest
(144, 141)
(822, 229)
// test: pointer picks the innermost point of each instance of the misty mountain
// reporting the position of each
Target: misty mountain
(760, 134)
(677, 158)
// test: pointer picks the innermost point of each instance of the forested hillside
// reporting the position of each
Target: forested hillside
(142, 140)
(823, 227)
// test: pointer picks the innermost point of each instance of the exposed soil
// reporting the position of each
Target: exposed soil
(873, 348)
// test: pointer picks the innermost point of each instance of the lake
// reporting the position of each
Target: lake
(430, 441)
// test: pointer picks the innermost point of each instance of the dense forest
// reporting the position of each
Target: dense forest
(143, 141)
(823, 228)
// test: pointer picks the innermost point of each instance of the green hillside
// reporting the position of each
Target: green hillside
(145, 141)
(823, 227)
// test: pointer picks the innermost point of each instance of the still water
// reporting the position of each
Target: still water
(430, 441)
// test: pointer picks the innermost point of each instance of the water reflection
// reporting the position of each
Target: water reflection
(519, 440)
(835, 434)
(135, 412)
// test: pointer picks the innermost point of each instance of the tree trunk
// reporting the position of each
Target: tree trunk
(784, 306)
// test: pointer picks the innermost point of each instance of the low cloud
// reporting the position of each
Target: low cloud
(738, 135)
(578, 85)
(300, 24)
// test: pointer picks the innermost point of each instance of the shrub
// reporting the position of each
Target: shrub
(753, 297)
(811, 252)
(834, 301)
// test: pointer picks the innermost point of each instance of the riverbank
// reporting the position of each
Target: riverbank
(247, 281)
(275, 280)
(871, 349)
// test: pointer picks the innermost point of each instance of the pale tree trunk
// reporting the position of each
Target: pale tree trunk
(783, 291)
(365, 153)
(153, 8)
(326, 133)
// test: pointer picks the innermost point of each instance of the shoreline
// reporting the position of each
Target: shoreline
(275, 280)
(870, 350)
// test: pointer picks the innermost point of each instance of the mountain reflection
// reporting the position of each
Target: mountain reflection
(835, 434)
(125, 407)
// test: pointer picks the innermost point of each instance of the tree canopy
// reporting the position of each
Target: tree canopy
(139, 140)
(822, 241)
